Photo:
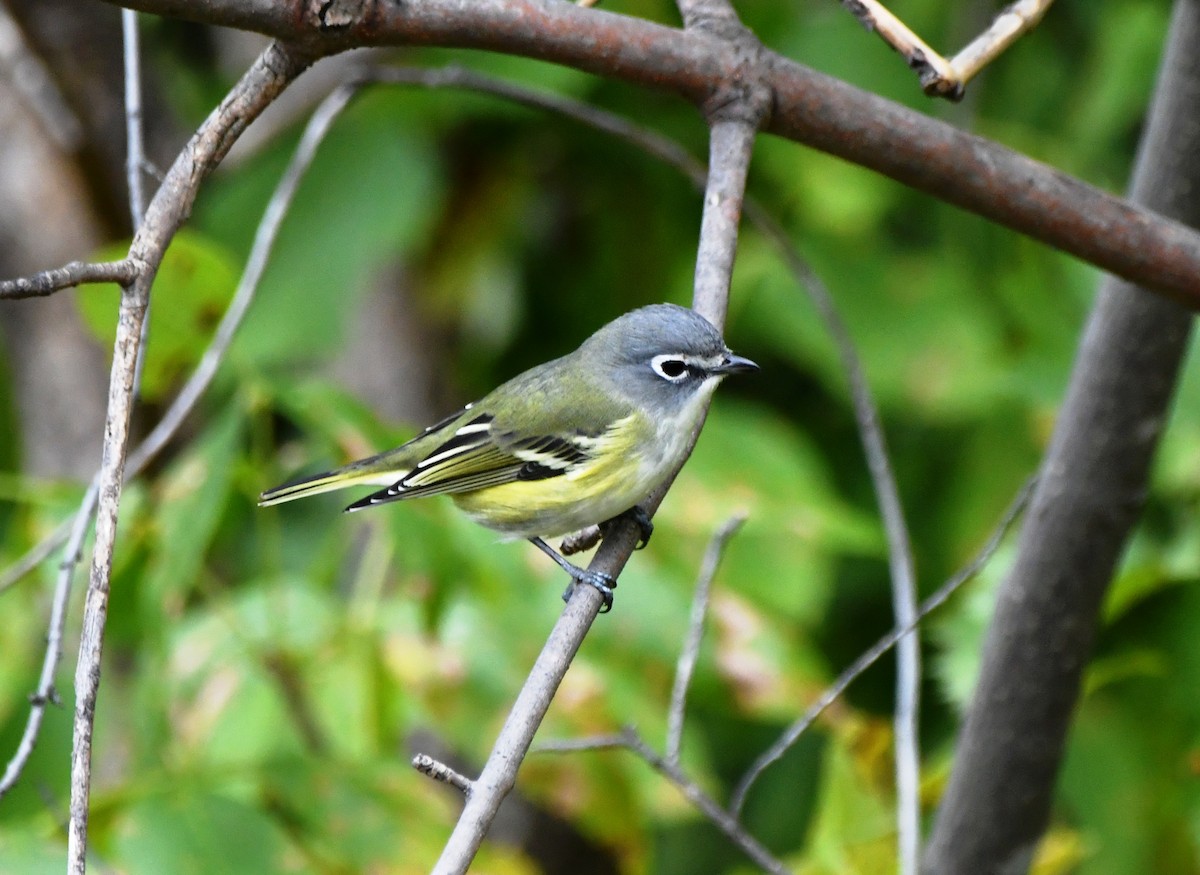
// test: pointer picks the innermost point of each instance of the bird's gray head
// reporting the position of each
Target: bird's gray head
(663, 353)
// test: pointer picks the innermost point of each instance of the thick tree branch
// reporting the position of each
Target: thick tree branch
(806, 106)
(1091, 489)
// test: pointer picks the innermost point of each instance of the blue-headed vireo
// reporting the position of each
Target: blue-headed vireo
(568, 444)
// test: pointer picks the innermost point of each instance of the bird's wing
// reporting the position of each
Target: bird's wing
(481, 453)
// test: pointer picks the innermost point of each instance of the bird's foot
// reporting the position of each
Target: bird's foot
(639, 518)
(598, 579)
(604, 583)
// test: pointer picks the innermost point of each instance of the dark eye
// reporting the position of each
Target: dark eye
(670, 368)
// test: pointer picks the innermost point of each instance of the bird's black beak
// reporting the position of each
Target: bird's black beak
(735, 364)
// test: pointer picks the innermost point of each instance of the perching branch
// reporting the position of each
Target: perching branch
(667, 764)
(808, 107)
(734, 121)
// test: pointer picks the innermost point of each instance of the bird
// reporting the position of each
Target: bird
(575, 442)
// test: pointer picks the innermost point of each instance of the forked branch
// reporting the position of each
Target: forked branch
(938, 76)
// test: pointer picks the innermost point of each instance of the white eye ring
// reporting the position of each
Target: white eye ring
(670, 367)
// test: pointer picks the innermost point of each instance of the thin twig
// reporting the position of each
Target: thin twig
(706, 805)
(882, 646)
(135, 157)
(900, 558)
(256, 263)
(578, 745)
(629, 739)
(938, 76)
(47, 282)
(135, 147)
(36, 555)
(439, 771)
(454, 76)
(1013, 21)
(931, 68)
(45, 693)
(690, 651)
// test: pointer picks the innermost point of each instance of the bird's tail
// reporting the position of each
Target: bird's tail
(327, 482)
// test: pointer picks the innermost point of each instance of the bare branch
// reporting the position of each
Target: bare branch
(948, 78)
(500, 771)
(629, 739)
(1013, 21)
(45, 693)
(900, 559)
(706, 805)
(35, 556)
(578, 745)
(264, 240)
(808, 107)
(933, 72)
(690, 651)
(135, 156)
(439, 771)
(267, 77)
(869, 657)
(76, 273)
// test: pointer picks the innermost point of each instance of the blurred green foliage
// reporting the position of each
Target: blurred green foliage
(266, 668)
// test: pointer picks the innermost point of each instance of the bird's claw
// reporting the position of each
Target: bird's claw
(639, 518)
(602, 582)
